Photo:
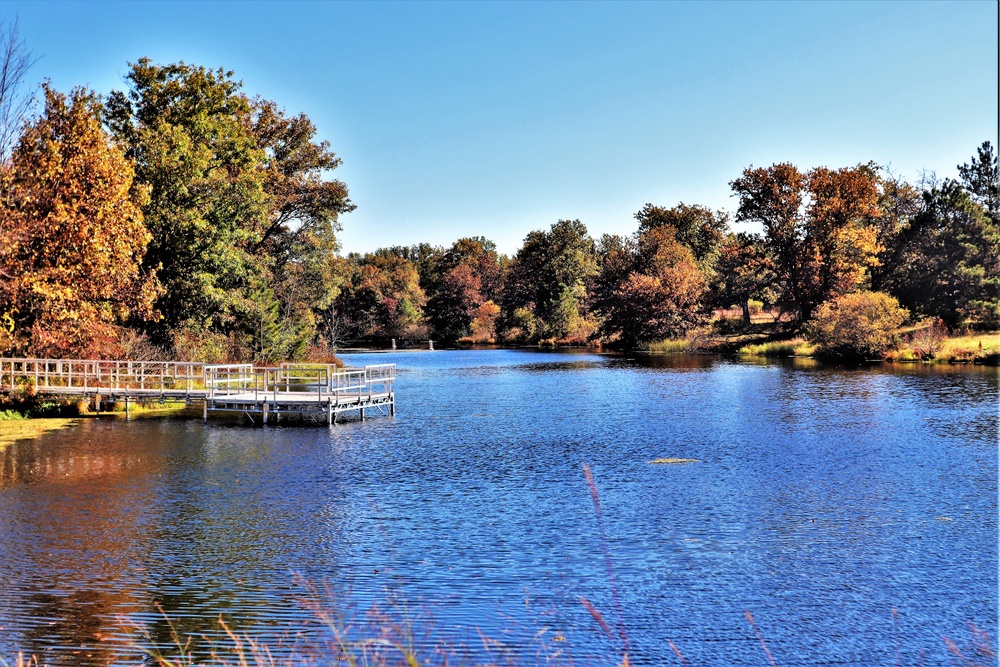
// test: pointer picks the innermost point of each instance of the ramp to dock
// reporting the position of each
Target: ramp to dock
(314, 390)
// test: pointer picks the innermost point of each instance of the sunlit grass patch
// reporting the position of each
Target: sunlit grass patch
(12, 430)
(974, 347)
(671, 346)
(796, 347)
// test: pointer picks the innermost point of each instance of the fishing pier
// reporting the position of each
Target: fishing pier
(317, 391)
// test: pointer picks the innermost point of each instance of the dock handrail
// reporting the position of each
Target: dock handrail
(87, 376)
(83, 375)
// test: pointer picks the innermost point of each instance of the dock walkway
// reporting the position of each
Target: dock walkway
(256, 391)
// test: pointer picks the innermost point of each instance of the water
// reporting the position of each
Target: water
(824, 498)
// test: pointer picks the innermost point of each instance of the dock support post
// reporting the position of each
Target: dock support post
(265, 413)
(329, 412)
(204, 410)
(126, 406)
(97, 402)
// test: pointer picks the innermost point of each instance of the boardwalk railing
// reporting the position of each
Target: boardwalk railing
(88, 376)
(85, 375)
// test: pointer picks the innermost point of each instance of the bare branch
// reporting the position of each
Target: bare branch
(15, 61)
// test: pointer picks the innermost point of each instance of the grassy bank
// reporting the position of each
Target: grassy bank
(21, 428)
(919, 343)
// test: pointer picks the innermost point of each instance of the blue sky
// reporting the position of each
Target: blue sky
(493, 119)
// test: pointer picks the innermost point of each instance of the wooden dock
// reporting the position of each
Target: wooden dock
(265, 392)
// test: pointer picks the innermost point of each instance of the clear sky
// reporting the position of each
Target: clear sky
(493, 119)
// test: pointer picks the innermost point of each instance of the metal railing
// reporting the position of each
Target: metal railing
(196, 378)
(83, 375)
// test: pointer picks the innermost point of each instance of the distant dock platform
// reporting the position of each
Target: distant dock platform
(319, 391)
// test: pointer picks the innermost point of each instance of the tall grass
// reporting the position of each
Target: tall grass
(796, 347)
(671, 346)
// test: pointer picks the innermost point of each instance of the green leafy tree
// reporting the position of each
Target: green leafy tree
(551, 276)
(71, 235)
(981, 177)
(699, 228)
(948, 259)
(189, 132)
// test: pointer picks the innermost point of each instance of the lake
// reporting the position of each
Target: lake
(822, 500)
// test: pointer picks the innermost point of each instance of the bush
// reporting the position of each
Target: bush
(860, 325)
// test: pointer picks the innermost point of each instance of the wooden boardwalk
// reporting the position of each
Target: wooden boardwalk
(311, 390)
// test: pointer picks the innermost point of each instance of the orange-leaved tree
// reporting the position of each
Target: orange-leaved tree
(71, 235)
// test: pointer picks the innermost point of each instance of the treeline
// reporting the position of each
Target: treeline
(179, 217)
(182, 217)
(826, 233)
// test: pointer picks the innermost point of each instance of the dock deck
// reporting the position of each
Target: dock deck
(309, 390)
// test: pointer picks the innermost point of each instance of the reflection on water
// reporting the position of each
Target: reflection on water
(825, 498)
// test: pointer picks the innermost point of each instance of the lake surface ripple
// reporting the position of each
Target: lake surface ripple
(823, 499)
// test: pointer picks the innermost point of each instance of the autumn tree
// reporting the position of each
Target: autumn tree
(860, 325)
(484, 325)
(819, 227)
(456, 301)
(72, 238)
(469, 274)
(381, 299)
(651, 289)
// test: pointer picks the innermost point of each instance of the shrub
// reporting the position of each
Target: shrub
(860, 325)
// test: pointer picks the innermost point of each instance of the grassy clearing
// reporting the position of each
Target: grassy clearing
(925, 343)
(975, 347)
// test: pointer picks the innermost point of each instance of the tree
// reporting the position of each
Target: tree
(860, 325)
(468, 275)
(948, 259)
(660, 296)
(15, 61)
(841, 242)
(456, 302)
(774, 197)
(382, 298)
(190, 133)
(820, 227)
(981, 177)
(550, 276)
(484, 329)
(745, 271)
(697, 227)
(71, 234)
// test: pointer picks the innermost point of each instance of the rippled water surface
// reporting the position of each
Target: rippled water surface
(824, 498)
